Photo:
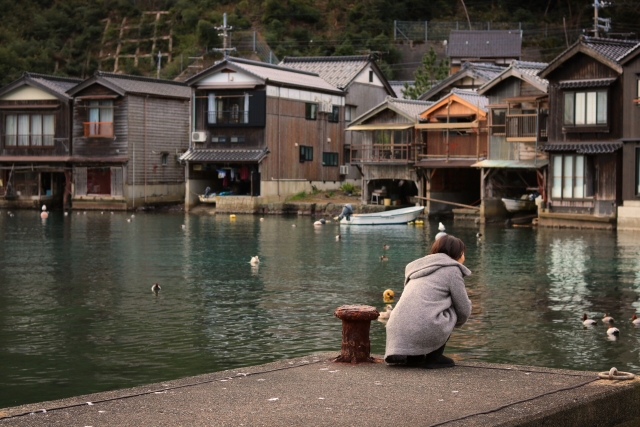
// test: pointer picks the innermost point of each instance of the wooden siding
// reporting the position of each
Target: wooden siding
(167, 131)
(286, 127)
(460, 144)
(62, 122)
(631, 109)
(630, 151)
(583, 67)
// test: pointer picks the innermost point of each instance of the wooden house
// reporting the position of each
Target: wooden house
(36, 146)
(517, 114)
(470, 76)
(498, 47)
(361, 79)
(585, 133)
(263, 130)
(454, 134)
(390, 146)
(128, 133)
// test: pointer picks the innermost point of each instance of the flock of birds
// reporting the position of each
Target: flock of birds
(608, 321)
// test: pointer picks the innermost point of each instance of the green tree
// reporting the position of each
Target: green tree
(431, 72)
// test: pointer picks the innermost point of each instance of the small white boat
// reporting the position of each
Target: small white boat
(396, 216)
(518, 205)
(208, 199)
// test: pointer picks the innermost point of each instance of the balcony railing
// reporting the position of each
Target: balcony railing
(396, 153)
(98, 129)
(526, 127)
(228, 117)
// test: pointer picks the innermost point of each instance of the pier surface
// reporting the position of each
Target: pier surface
(314, 391)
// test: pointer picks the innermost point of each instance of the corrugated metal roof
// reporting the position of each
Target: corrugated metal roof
(337, 70)
(596, 147)
(513, 164)
(485, 44)
(215, 155)
(146, 85)
(586, 83)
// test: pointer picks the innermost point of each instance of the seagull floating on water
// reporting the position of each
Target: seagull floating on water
(441, 226)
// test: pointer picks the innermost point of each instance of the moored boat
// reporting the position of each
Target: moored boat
(518, 205)
(396, 216)
(207, 199)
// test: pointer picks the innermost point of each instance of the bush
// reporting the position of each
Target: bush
(299, 196)
(347, 186)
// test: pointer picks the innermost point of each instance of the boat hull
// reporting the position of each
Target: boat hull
(396, 216)
(519, 205)
(209, 200)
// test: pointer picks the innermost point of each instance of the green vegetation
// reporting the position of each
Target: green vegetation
(431, 71)
(67, 37)
(347, 186)
(298, 196)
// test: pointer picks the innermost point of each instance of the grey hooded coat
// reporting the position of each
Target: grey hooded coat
(434, 300)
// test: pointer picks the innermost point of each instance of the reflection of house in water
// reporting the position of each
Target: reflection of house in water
(390, 147)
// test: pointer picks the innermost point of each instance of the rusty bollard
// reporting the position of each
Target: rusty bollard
(356, 322)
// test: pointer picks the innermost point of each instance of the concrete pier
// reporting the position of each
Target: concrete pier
(314, 391)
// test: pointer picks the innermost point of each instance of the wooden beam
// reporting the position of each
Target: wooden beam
(429, 199)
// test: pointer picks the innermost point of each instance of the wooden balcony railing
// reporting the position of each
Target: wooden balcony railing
(98, 129)
(526, 127)
(396, 153)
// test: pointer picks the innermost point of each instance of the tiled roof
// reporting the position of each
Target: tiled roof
(531, 69)
(477, 71)
(610, 48)
(472, 97)
(485, 44)
(274, 73)
(146, 85)
(600, 147)
(336, 70)
(398, 86)
(60, 85)
(410, 107)
(586, 83)
(524, 70)
(237, 155)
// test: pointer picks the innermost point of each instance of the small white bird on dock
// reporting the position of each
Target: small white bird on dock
(587, 322)
(440, 226)
(635, 320)
(613, 331)
(254, 260)
(385, 314)
(338, 237)
(607, 318)
(155, 288)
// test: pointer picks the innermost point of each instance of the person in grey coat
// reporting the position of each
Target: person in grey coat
(433, 302)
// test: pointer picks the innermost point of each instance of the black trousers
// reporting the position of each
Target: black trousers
(434, 355)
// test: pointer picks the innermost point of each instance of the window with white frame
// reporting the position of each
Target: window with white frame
(571, 177)
(29, 130)
(228, 108)
(100, 124)
(585, 108)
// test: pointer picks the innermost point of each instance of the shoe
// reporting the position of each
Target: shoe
(416, 361)
(439, 362)
(396, 360)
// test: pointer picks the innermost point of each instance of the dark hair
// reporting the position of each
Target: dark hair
(448, 245)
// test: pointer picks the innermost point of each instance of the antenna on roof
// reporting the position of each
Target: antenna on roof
(224, 28)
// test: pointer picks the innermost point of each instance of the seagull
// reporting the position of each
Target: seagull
(254, 260)
(607, 318)
(155, 288)
(440, 226)
(385, 247)
(384, 258)
(587, 322)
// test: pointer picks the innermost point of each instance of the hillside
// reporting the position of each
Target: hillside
(77, 37)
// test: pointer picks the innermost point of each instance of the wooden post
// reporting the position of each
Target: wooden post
(356, 322)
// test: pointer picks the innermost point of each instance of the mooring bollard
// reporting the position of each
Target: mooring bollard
(356, 322)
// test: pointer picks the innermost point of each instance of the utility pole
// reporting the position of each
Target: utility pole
(159, 64)
(225, 36)
(606, 22)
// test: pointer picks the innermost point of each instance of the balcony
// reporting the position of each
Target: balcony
(384, 153)
(525, 127)
(228, 117)
(98, 129)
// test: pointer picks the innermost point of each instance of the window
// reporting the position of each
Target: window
(100, 124)
(310, 111)
(228, 109)
(29, 130)
(306, 153)
(219, 139)
(498, 121)
(163, 159)
(370, 76)
(329, 159)
(349, 113)
(585, 108)
(334, 116)
(236, 139)
(571, 177)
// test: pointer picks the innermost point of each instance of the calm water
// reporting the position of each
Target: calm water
(77, 314)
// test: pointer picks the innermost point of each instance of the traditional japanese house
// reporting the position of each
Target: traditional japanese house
(36, 141)
(128, 133)
(454, 133)
(518, 111)
(390, 146)
(585, 131)
(470, 76)
(262, 130)
(361, 79)
(498, 47)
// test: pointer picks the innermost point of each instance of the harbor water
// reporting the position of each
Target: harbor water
(77, 314)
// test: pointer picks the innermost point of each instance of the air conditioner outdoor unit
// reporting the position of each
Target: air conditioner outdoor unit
(326, 107)
(198, 136)
(344, 169)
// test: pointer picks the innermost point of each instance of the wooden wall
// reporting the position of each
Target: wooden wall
(62, 143)
(630, 151)
(286, 127)
(464, 144)
(631, 110)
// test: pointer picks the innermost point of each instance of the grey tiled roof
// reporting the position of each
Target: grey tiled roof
(477, 71)
(337, 70)
(531, 69)
(600, 147)
(524, 70)
(485, 44)
(586, 83)
(472, 97)
(145, 85)
(410, 107)
(214, 155)
(57, 84)
(397, 87)
(610, 48)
